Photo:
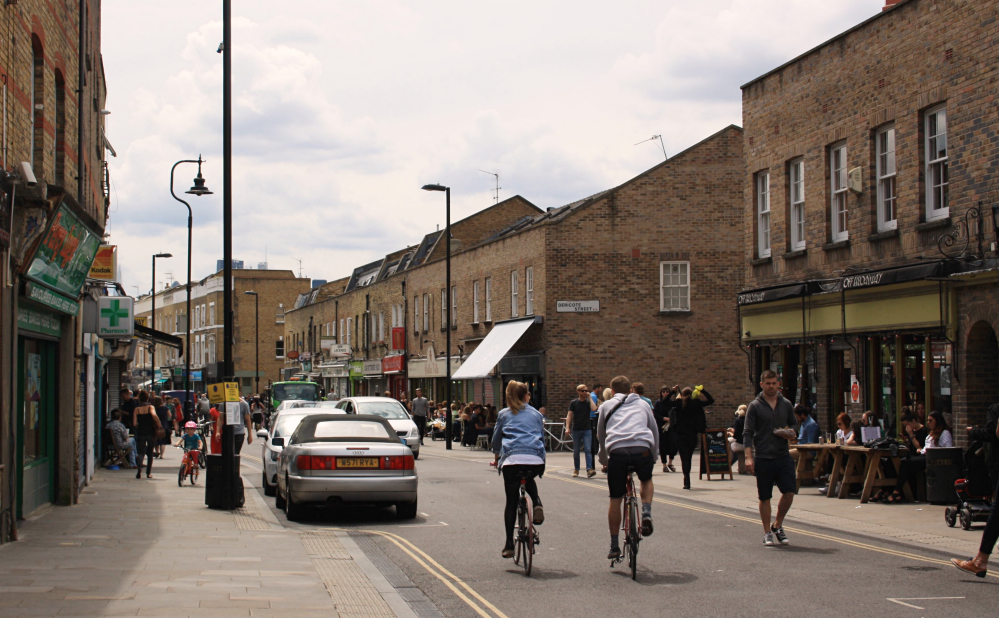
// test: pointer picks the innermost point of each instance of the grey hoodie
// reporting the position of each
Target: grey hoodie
(761, 420)
(631, 425)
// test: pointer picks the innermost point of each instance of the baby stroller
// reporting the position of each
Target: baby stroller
(974, 491)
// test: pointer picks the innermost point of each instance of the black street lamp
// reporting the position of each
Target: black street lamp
(199, 188)
(447, 296)
(256, 335)
(152, 363)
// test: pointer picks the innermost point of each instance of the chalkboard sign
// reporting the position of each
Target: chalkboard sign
(715, 454)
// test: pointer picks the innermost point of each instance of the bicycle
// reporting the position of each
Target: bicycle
(527, 538)
(205, 431)
(188, 467)
(631, 526)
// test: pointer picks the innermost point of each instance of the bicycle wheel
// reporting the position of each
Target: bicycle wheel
(527, 534)
(180, 476)
(519, 540)
(633, 538)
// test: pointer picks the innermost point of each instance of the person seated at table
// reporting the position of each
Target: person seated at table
(913, 437)
(490, 416)
(808, 429)
(843, 431)
(938, 436)
(856, 434)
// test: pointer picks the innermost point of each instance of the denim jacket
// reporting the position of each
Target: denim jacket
(519, 434)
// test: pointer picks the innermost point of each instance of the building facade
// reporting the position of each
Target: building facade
(869, 187)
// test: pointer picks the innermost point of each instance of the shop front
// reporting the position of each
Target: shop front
(491, 365)
(356, 379)
(335, 376)
(374, 381)
(528, 369)
(430, 375)
(393, 368)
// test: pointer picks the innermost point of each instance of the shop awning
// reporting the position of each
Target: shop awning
(752, 297)
(893, 275)
(494, 347)
(151, 334)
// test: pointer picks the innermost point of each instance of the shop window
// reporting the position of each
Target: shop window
(886, 170)
(935, 156)
(838, 192)
(796, 190)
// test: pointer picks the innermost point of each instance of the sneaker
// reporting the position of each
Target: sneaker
(781, 537)
(768, 539)
(539, 515)
(824, 490)
(614, 553)
(507, 552)
(646, 525)
(671, 468)
(591, 473)
(575, 473)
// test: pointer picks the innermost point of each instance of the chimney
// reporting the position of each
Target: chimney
(890, 3)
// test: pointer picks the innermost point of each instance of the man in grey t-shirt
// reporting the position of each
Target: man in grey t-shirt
(420, 408)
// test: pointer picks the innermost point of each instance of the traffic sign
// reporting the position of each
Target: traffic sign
(115, 317)
(223, 392)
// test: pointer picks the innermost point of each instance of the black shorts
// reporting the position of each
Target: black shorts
(779, 472)
(641, 460)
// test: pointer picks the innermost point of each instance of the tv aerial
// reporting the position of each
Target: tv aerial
(656, 137)
(496, 196)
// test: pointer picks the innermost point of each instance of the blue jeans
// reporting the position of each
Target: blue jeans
(582, 440)
(130, 455)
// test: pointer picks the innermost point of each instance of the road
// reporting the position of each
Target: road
(702, 559)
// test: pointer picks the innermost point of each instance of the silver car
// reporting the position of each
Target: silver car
(392, 411)
(334, 459)
(283, 424)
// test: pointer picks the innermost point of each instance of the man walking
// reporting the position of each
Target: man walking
(420, 408)
(127, 407)
(595, 396)
(770, 424)
(578, 422)
(629, 440)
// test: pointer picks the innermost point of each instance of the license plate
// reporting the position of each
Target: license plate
(356, 462)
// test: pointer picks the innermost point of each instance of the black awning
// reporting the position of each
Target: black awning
(151, 334)
(753, 297)
(892, 275)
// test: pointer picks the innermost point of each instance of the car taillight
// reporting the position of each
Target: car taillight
(398, 462)
(315, 462)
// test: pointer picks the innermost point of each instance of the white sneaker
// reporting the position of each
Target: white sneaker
(768, 539)
(781, 537)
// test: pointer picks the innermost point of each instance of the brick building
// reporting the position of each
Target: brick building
(867, 159)
(53, 95)
(276, 291)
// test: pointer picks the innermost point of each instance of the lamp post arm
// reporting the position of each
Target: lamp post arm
(188, 403)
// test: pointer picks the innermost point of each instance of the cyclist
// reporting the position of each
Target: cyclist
(519, 446)
(191, 443)
(629, 440)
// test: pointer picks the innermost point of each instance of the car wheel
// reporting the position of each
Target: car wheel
(292, 509)
(416, 454)
(406, 510)
(279, 500)
(269, 490)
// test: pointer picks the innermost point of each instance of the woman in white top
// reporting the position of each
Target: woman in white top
(939, 437)
(843, 431)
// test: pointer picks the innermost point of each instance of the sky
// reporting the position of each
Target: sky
(342, 110)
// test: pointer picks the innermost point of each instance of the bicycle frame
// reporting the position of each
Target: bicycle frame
(630, 525)
(527, 536)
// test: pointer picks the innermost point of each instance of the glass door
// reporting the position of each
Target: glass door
(35, 424)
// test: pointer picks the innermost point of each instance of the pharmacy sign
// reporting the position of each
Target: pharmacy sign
(115, 317)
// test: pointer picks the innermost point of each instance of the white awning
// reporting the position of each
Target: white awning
(494, 347)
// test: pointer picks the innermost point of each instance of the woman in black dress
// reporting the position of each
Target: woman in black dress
(687, 420)
(162, 413)
(667, 441)
(145, 421)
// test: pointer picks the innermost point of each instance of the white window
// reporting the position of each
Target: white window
(937, 176)
(211, 349)
(475, 302)
(340, 337)
(443, 308)
(381, 326)
(514, 294)
(886, 169)
(333, 328)
(416, 314)
(197, 316)
(211, 314)
(279, 347)
(204, 311)
(797, 190)
(426, 313)
(394, 316)
(489, 299)
(279, 314)
(529, 310)
(350, 322)
(454, 306)
(674, 288)
(837, 174)
(763, 214)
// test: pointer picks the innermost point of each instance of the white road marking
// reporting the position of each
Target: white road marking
(901, 600)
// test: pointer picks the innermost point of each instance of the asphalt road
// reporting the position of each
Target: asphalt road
(701, 560)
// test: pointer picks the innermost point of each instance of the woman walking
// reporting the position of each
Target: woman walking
(518, 442)
(146, 423)
(166, 420)
(688, 421)
(667, 442)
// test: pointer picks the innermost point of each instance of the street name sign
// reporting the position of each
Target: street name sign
(577, 306)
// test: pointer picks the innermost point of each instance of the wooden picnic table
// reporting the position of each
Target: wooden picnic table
(811, 468)
(863, 465)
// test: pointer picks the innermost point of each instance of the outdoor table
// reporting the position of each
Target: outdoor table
(811, 468)
(863, 465)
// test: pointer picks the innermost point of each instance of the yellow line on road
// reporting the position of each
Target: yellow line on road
(817, 535)
(251, 457)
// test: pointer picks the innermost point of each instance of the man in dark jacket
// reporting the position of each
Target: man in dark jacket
(986, 434)
(687, 421)
(770, 425)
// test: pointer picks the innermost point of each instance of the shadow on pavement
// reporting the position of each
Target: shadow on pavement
(648, 578)
(545, 574)
(799, 549)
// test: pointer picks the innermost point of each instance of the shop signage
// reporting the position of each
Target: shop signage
(196, 375)
(50, 299)
(335, 371)
(65, 253)
(854, 389)
(765, 296)
(393, 364)
(339, 350)
(577, 306)
(892, 275)
(115, 317)
(527, 365)
(399, 338)
(164, 373)
(356, 369)
(38, 321)
(431, 367)
(293, 354)
(105, 264)
(143, 322)
(372, 368)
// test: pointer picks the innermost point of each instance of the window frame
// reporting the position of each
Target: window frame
(279, 347)
(839, 194)
(426, 313)
(931, 211)
(514, 294)
(764, 247)
(885, 179)
(443, 308)
(416, 314)
(475, 302)
(662, 286)
(529, 291)
(796, 202)
(489, 299)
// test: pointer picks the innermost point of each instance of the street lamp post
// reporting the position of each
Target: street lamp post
(199, 188)
(152, 362)
(447, 296)
(256, 335)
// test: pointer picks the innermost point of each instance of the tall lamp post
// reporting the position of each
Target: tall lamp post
(199, 188)
(256, 335)
(447, 358)
(152, 362)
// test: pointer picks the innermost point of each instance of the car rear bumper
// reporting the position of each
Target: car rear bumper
(373, 490)
(413, 444)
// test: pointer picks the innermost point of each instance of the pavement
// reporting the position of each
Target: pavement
(151, 548)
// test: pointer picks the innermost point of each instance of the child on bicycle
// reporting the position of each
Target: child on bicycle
(192, 445)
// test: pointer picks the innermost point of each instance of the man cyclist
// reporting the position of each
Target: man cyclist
(629, 440)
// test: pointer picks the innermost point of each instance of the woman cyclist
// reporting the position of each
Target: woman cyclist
(520, 452)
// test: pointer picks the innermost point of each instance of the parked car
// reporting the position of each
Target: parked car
(392, 411)
(328, 404)
(295, 403)
(334, 459)
(283, 424)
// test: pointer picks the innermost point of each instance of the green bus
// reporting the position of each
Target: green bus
(283, 391)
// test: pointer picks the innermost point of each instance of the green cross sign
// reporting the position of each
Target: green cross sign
(115, 313)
